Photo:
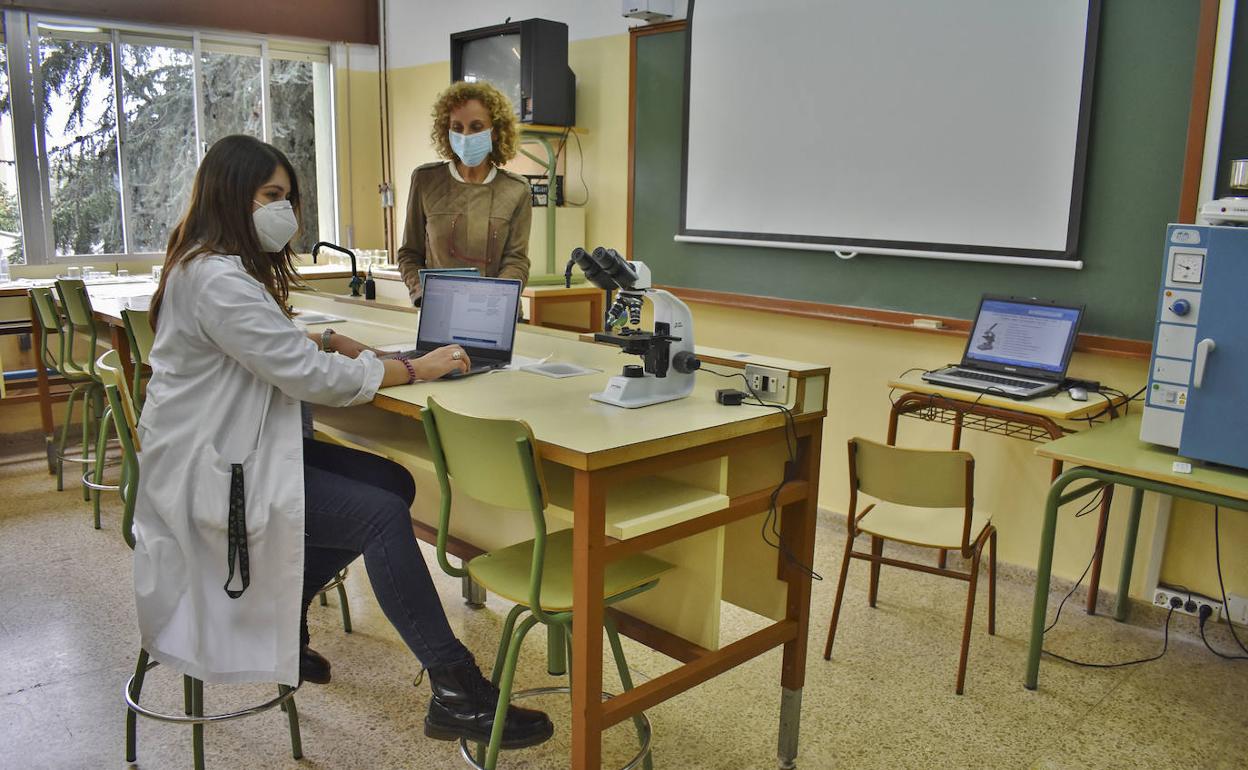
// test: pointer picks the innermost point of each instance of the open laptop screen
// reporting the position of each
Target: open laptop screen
(476, 313)
(1023, 334)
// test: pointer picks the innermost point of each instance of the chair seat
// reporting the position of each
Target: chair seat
(931, 527)
(506, 572)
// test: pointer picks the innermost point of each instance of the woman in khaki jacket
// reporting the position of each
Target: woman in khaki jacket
(467, 211)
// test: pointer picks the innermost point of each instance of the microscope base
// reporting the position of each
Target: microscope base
(635, 392)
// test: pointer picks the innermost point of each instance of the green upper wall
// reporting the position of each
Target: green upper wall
(1141, 94)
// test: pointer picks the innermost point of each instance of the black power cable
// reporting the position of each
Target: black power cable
(1217, 553)
(790, 468)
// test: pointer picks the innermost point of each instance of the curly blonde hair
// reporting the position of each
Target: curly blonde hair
(501, 115)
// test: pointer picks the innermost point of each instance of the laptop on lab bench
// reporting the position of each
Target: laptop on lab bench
(1018, 348)
(478, 314)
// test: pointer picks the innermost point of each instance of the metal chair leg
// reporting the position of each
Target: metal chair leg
(324, 600)
(970, 615)
(992, 583)
(74, 393)
(197, 730)
(88, 422)
(873, 589)
(101, 449)
(504, 641)
(136, 691)
(292, 716)
(626, 680)
(504, 692)
(188, 696)
(345, 607)
(840, 595)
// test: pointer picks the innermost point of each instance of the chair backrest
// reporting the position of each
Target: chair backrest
(77, 306)
(49, 320)
(494, 461)
(486, 457)
(76, 301)
(139, 331)
(920, 478)
(124, 420)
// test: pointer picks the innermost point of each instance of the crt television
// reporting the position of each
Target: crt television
(527, 61)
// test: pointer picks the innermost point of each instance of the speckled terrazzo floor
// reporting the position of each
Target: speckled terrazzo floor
(67, 642)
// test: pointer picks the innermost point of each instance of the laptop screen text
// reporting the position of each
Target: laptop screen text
(472, 312)
(1023, 335)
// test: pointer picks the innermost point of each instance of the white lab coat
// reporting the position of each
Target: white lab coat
(229, 370)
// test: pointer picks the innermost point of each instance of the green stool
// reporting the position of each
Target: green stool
(78, 312)
(496, 462)
(124, 416)
(58, 356)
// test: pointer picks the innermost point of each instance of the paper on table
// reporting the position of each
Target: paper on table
(558, 369)
(310, 317)
(397, 347)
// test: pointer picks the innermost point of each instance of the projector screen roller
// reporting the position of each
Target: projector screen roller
(954, 127)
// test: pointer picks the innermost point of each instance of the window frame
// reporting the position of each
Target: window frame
(22, 33)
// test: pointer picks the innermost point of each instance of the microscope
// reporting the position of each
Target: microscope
(668, 361)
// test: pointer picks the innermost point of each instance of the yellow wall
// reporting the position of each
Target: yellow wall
(359, 158)
(1010, 481)
(601, 66)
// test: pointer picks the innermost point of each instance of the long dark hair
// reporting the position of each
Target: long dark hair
(218, 219)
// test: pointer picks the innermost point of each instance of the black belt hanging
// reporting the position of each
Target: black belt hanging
(237, 532)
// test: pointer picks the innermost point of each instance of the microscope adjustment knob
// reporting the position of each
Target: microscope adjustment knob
(635, 371)
(685, 362)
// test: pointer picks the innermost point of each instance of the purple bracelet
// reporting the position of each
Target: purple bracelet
(411, 370)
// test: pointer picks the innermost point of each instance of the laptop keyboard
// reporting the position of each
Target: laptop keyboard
(996, 380)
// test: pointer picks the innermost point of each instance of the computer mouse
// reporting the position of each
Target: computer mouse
(1078, 394)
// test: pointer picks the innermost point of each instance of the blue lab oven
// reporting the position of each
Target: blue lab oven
(1197, 397)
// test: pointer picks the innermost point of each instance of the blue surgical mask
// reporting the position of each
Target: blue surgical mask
(472, 149)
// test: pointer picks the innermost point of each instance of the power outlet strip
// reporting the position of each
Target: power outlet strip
(1238, 606)
(768, 383)
(1188, 604)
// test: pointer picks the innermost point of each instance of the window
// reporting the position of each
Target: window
(298, 93)
(121, 118)
(11, 244)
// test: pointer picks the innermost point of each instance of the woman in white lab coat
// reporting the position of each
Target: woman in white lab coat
(239, 520)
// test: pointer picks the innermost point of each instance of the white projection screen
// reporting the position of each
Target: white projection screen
(938, 128)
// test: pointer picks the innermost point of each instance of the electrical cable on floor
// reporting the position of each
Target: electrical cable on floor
(1164, 646)
(1217, 553)
(790, 443)
(1087, 664)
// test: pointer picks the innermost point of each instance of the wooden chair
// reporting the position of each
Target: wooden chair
(924, 498)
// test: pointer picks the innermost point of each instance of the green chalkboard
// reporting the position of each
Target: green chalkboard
(1141, 96)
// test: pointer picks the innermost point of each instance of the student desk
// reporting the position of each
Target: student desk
(1036, 419)
(542, 298)
(688, 480)
(1113, 454)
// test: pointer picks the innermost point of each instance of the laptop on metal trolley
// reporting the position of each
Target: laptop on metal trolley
(478, 314)
(1018, 348)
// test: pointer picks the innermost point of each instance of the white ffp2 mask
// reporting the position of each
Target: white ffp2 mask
(275, 224)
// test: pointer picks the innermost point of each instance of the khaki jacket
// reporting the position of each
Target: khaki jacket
(457, 224)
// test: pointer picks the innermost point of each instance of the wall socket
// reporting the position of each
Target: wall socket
(768, 383)
(1188, 604)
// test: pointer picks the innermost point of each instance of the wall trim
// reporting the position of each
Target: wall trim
(890, 319)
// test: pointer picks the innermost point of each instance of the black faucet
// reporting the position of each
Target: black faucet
(356, 281)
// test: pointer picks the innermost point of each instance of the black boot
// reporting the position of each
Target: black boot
(463, 707)
(313, 666)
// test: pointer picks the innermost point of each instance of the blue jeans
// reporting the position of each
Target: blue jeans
(359, 503)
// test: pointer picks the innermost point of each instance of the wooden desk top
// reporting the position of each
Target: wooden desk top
(1056, 407)
(572, 429)
(1116, 446)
